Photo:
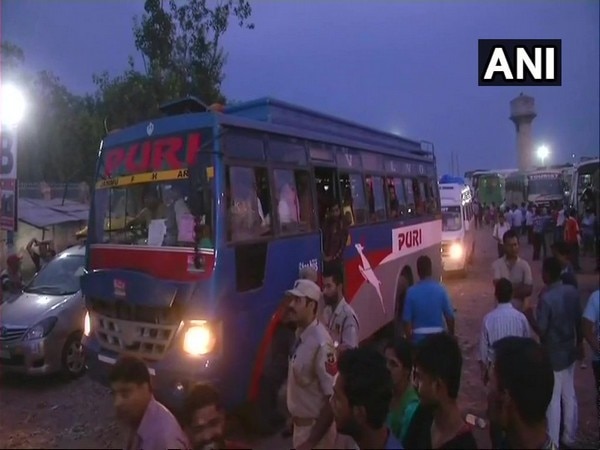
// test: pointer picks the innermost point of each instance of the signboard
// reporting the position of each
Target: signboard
(8, 180)
(544, 176)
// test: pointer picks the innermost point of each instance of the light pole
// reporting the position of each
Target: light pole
(12, 112)
(542, 153)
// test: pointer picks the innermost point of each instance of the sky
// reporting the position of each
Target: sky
(405, 66)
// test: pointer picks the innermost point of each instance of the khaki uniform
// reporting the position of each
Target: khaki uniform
(342, 325)
(311, 374)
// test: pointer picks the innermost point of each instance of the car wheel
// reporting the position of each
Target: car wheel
(73, 362)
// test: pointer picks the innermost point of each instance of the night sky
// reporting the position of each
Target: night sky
(407, 67)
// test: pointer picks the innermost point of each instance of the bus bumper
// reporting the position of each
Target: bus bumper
(171, 377)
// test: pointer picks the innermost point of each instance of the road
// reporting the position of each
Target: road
(52, 413)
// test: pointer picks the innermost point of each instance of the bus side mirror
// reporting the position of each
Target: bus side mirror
(196, 185)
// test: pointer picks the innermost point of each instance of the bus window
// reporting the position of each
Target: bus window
(244, 145)
(435, 202)
(248, 202)
(396, 198)
(410, 196)
(294, 200)
(420, 196)
(287, 150)
(376, 196)
(354, 206)
(327, 192)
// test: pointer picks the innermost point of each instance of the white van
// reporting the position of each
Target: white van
(458, 226)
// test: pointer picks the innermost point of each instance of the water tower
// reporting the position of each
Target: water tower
(522, 113)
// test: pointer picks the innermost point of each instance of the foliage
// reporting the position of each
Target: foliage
(182, 55)
(59, 136)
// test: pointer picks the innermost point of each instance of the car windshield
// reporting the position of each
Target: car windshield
(451, 218)
(59, 277)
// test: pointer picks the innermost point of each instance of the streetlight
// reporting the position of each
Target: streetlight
(12, 112)
(542, 153)
(12, 105)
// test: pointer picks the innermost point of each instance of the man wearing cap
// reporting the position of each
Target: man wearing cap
(311, 373)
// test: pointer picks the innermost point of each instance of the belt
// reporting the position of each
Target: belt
(428, 330)
(303, 421)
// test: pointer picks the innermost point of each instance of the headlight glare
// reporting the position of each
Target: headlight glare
(456, 250)
(199, 339)
(87, 324)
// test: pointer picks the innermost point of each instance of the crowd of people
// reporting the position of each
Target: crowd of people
(340, 394)
(544, 226)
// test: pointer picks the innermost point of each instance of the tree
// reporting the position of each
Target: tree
(58, 140)
(182, 54)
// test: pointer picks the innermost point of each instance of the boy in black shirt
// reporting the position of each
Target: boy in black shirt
(438, 422)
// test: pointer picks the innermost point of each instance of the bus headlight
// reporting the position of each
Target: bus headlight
(87, 324)
(456, 250)
(199, 338)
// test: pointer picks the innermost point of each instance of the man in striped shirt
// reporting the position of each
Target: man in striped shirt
(503, 321)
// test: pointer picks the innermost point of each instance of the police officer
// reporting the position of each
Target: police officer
(311, 372)
(338, 316)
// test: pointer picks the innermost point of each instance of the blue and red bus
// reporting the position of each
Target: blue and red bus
(200, 221)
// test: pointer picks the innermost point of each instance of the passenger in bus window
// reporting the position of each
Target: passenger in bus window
(304, 193)
(393, 204)
(247, 218)
(154, 209)
(335, 235)
(288, 210)
(178, 217)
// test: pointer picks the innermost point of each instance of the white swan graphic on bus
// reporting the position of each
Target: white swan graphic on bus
(367, 272)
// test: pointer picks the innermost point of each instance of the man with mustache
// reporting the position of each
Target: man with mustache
(338, 316)
(311, 373)
(151, 426)
(204, 420)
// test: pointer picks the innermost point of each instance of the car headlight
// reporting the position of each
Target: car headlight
(200, 338)
(456, 250)
(87, 324)
(41, 329)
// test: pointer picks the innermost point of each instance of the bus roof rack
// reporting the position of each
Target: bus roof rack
(189, 104)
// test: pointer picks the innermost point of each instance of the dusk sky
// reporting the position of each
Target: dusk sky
(408, 67)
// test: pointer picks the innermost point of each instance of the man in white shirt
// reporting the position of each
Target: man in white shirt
(499, 323)
(500, 228)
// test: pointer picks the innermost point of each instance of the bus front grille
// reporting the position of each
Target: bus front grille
(138, 330)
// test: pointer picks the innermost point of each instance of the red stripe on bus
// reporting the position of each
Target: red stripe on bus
(261, 355)
(158, 263)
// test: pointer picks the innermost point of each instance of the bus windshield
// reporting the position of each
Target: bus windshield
(154, 208)
(546, 185)
(451, 218)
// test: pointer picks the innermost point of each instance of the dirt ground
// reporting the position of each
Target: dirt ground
(52, 413)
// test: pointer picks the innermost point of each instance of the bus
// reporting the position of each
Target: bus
(541, 187)
(234, 203)
(545, 187)
(489, 187)
(586, 175)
